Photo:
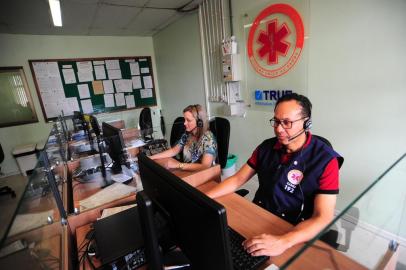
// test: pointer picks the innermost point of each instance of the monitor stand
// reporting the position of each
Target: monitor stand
(124, 176)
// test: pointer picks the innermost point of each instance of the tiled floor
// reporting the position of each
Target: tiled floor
(8, 205)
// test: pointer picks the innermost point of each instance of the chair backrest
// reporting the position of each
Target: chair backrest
(221, 130)
(178, 128)
(323, 140)
(145, 122)
(1, 154)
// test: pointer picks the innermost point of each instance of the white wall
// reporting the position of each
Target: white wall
(357, 83)
(16, 50)
(179, 64)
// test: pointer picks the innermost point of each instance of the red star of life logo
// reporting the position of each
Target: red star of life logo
(268, 50)
(273, 43)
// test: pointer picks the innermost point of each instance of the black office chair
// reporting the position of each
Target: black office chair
(221, 130)
(177, 130)
(6, 189)
(146, 130)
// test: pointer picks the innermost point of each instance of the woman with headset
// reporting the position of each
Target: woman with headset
(198, 145)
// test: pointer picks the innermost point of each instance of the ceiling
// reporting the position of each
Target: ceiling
(93, 17)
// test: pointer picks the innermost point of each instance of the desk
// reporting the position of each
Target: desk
(82, 223)
(240, 216)
(195, 178)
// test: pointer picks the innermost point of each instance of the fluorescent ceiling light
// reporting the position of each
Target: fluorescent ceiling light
(55, 7)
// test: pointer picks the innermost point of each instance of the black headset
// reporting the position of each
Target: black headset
(199, 122)
(307, 124)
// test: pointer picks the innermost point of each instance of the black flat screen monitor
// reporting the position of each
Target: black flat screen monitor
(150, 235)
(95, 126)
(198, 222)
(115, 146)
(78, 120)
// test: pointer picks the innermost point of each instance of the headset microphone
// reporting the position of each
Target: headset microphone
(297, 135)
(307, 125)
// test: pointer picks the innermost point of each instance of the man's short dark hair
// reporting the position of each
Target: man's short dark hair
(303, 101)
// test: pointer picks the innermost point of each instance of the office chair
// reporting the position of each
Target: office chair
(6, 189)
(221, 130)
(178, 129)
(146, 130)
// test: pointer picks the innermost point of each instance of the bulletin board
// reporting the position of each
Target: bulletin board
(93, 85)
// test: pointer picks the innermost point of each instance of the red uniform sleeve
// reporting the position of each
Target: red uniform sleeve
(329, 181)
(253, 160)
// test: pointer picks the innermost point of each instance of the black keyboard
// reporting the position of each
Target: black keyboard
(241, 259)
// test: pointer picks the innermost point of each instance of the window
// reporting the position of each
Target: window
(16, 106)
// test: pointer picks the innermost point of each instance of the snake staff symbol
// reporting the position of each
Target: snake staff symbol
(273, 43)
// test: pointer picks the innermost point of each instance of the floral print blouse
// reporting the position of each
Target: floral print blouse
(194, 151)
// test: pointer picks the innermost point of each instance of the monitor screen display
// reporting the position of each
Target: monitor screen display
(198, 222)
(115, 145)
(95, 125)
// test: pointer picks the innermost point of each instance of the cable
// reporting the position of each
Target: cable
(178, 9)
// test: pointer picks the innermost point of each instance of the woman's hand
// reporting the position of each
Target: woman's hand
(172, 164)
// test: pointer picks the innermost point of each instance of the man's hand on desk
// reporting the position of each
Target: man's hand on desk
(266, 245)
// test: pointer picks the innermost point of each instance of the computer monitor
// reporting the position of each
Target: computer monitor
(115, 146)
(77, 120)
(95, 126)
(149, 231)
(198, 222)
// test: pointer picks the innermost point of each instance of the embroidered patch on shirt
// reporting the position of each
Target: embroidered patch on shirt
(295, 176)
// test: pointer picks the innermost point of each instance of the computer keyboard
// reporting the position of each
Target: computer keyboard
(241, 259)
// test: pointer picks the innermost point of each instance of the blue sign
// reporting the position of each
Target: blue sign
(269, 97)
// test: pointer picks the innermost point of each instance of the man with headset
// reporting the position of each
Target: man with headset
(298, 177)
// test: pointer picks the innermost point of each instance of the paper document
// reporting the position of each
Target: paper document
(136, 82)
(114, 74)
(87, 106)
(121, 177)
(83, 91)
(114, 210)
(146, 93)
(109, 100)
(108, 194)
(145, 70)
(100, 72)
(135, 68)
(68, 75)
(120, 100)
(108, 86)
(147, 81)
(112, 64)
(135, 143)
(26, 222)
(124, 85)
(129, 100)
(97, 87)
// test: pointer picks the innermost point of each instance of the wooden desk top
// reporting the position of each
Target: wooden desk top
(250, 220)
(195, 178)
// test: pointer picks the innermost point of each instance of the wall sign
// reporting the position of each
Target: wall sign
(275, 40)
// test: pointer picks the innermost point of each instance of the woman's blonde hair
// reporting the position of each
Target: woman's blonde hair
(200, 115)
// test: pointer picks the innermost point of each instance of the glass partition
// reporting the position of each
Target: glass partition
(370, 233)
(35, 233)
